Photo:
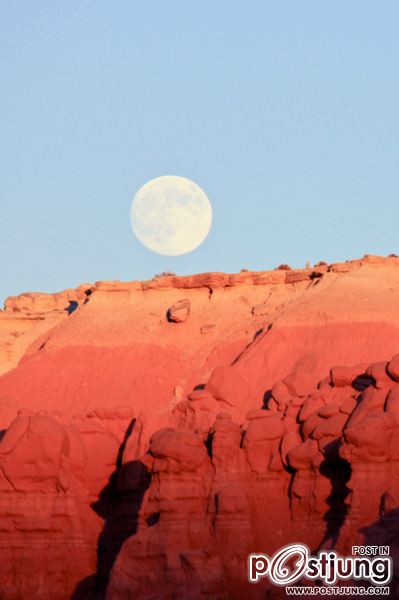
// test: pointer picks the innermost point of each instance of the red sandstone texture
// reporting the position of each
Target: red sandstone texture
(154, 433)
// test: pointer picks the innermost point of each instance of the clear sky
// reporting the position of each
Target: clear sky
(285, 113)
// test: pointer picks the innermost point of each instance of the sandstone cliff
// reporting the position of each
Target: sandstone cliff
(154, 433)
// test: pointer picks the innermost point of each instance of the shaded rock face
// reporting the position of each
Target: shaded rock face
(139, 459)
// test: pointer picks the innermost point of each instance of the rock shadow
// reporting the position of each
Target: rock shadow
(338, 471)
(385, 532)
(72, 306)
(267, 397)
(118, 504)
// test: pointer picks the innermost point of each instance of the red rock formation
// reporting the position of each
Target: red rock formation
(143, 459)
(319, 467)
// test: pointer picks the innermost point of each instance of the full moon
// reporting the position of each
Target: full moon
(171, 215)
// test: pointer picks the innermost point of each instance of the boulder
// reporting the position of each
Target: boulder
(260, 310)
(182, 446)
(179, 312)
(228, 385)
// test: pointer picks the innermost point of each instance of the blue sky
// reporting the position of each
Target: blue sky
(285, 113)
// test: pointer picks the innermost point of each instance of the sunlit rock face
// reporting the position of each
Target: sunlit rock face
(140, 458)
